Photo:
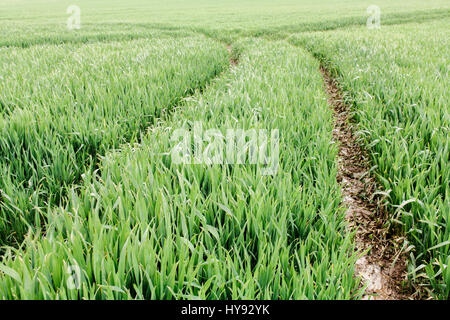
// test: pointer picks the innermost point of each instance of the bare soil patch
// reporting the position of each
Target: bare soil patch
(233, 61)
(383, 267)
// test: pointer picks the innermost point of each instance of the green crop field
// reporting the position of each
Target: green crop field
(187, 149)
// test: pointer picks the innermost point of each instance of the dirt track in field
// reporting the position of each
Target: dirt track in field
(233, 61)
(383, 268)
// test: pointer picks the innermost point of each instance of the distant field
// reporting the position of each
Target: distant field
(88, 177)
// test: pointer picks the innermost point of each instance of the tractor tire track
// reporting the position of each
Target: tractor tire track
(383, 268)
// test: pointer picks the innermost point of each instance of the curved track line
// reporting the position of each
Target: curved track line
(383, 267)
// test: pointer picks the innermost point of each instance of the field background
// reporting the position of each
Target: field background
(74, 176)
(229, 14)
(32, 20)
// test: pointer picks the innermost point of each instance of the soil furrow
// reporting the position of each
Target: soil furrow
(382, 267)
(233, 61)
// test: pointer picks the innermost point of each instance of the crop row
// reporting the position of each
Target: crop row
(61, 107)
(144, 226)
